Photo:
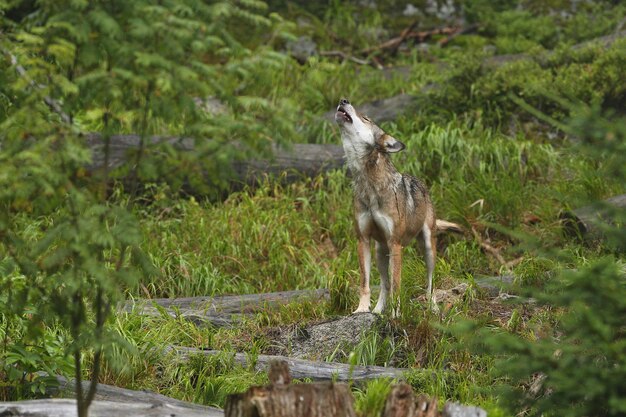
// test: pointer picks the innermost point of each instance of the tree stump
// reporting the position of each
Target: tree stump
(401, 402)
(325, 399)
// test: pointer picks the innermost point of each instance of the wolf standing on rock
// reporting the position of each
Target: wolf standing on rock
(390, 207)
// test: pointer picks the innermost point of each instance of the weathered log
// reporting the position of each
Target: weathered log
(587, 222)
(296, 161)
(459, 410)
(67, 408)
(110, 393)
(280, 399)
(222, 310)
(300, 368)
(110, 401)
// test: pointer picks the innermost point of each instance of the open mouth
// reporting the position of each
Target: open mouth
(342, 114)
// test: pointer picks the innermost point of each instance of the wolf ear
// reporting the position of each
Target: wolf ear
(391, 144)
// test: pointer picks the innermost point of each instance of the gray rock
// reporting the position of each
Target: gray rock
(211, 105)
(458, 410)
(302, 49)
(319, 341)
(493, 286)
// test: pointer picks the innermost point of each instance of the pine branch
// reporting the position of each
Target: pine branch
(54, 105)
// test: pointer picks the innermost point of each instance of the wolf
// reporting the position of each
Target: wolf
(389, 207)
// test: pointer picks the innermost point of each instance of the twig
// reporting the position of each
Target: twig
(394, 43)
(52, 103)
(445, 41)
(495, 252)
(346, 57)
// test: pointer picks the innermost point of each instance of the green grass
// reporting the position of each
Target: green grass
(488, 165)
(280, 237)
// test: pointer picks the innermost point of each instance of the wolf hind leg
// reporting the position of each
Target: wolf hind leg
(382, 262)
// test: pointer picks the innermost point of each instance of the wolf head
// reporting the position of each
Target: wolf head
(360, 133)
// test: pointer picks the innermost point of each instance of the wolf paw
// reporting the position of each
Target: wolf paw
(361, 310)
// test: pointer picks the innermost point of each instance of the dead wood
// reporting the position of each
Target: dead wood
(58, 407)
(347, 57)
(109, 401)
(400, 402)
(426, 407)
(300, 368)
(119, 395)
(221, 310)
(393, 44)
(331, 399)
(279, 399)
(296, 161)
(495, 252)
(468, 29)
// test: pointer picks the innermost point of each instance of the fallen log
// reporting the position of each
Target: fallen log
(296, 161)
(222, 310)
(300, 368)
(587, 222)
(67, 408)
(105, 392)
(109, 401)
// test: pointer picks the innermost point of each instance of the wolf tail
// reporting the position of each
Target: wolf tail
(446, 226)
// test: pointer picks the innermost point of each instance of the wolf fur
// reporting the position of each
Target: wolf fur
(389, 207)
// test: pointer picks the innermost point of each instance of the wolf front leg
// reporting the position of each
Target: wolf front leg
(365, 264)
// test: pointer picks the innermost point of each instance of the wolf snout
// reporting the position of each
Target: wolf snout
(342, 115)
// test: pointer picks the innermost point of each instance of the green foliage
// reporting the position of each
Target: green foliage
(579, 371)
(209, 380)
(576, 367)
(72, 245)
(272, 238)
(483, 92)
(370, 400)
(123, 68)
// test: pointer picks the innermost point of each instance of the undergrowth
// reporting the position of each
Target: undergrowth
(499, 171)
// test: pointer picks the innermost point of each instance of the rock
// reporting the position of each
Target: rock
(588, 223)
(211, 105)
(319, 341)
(493, 286)
(410, 10)
(302, 49)
(452, 295)
(458, 410)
